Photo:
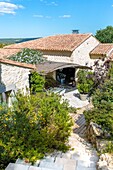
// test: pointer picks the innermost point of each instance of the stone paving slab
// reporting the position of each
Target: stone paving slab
(46, 169)
(13, 166)
(49, 165)
(69, 167)
(63, 161)
(83, 168)
(66, 155)
(34, 168)
(49, 159)
(87, 164)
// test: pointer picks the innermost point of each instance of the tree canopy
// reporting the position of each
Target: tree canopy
(105, 35)
(28, 56)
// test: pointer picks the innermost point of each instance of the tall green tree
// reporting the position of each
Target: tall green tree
(28, 56)
(105, 35)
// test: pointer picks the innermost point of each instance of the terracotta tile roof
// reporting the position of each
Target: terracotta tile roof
(6, 61)
(5, 53)
(102, 49)
(67, 42)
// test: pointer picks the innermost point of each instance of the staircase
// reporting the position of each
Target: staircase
(54, 163)
(82, 157)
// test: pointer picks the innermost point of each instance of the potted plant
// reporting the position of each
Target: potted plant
(84, 82)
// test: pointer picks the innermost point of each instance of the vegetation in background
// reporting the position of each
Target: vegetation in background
(34, 126)
(105, 35)
(28, 56)
(2, 45)
(9, 41)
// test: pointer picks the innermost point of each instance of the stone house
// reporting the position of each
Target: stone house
(13, 76)
(69, 48)
(73, 49)
(65, 53)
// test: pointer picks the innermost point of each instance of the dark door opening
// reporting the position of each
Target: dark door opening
(65, 75)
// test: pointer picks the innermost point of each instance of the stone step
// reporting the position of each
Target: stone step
(50, 165)
(81, 120)
(34, 168)
(49, 159)
(63, 161)
(66, 155)
(94, 158)
(83, 131)
(68, 164)
(13, 166)
(83, 168)
(75, 156)
(86, 164)
(78, 130)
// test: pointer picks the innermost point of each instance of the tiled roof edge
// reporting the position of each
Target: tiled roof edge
(6, 61)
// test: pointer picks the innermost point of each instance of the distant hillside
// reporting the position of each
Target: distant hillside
(15, 40)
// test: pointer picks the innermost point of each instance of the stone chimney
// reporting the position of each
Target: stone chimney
(75, 31)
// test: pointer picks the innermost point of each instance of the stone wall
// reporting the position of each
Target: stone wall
(81, 55)
(14, 77)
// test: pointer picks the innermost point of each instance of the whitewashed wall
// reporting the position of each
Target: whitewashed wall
(15, 76)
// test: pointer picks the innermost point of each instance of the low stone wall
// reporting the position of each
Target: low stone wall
(96, 137)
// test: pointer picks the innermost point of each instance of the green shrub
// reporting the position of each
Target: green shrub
(85, 81)
(102, 113)
(104, 95)
(109, 147)
(36, 82)
(34, 126)
(72, 110)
